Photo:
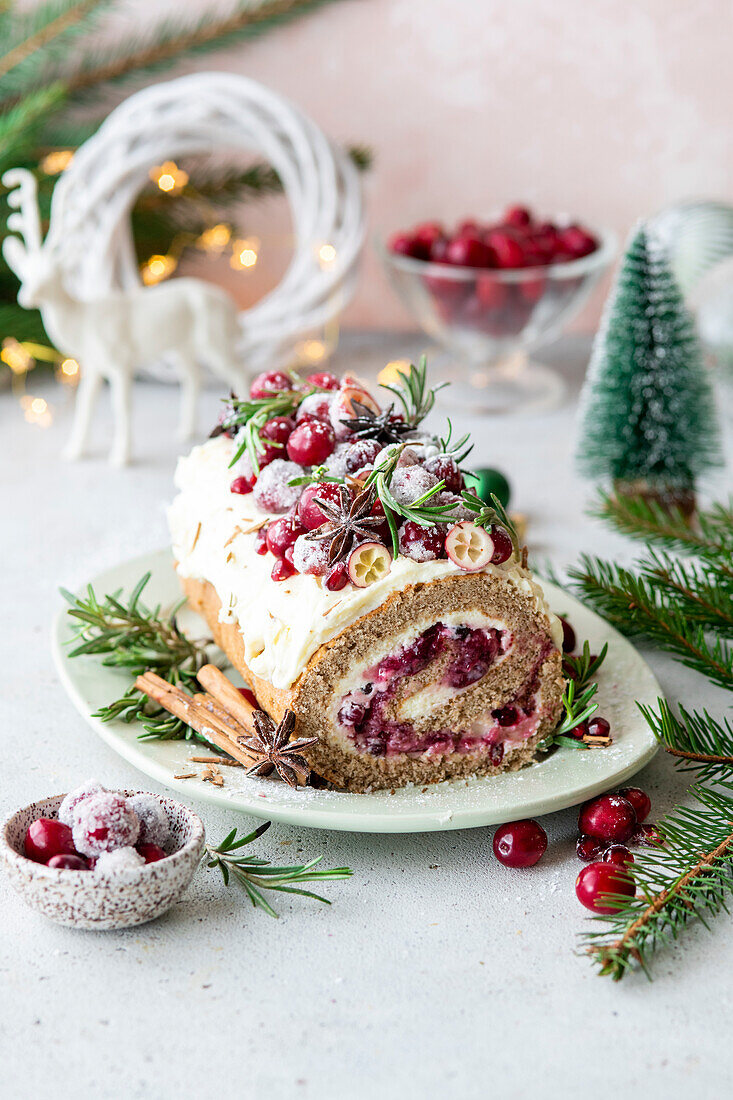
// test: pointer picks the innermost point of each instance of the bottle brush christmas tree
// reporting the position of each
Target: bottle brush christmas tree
(648, 420)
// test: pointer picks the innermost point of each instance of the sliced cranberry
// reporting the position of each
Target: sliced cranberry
(282, 570)
(639, 799)
(311, 443)
(520, 843)
(242, 485)
(47, 837)
(618, 854)
(610, 818)
(503, 548)
(269, 382)
(597, 881)
(151, 853)
(324, 380)
(568, 636)
(590, 848)
(261, 541)
(68, 862)
(337, 578)
(309, 514)
(281, 535)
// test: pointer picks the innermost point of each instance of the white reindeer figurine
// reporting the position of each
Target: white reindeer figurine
(113, 335)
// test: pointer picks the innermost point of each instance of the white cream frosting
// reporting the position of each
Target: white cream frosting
(283, 623)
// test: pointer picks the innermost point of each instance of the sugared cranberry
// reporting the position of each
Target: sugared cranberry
(311, 443)
(242, 485)
(610, 818)
(506, 249)
(361, 454)
(281, 535)
(444, 467)
(261, 541)
(568, 636)
(520, 843)
(639, 799)
(597, 881)
(618, 854)
(506, 716)
(590, 848)
(68, 862)
(309, 514)
(647, 836)
(151, 853)
(282, 570)
(324, 380)
(517, 216)
(337, 577)
(600, 727)
(503, 548)
(468, 251)
(46, 837)
(103, 822)
(269, 382)
(421, 543)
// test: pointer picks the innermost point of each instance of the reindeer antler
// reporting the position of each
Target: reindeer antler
(26, 220)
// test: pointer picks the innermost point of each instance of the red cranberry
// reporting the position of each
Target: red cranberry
(361, 455)
(261, 541)
(639, 799)
(427, 235)
(337, 577)
(277, 430)
(281, 535)
(517, 216)
(600, 727)
(249, 696)
(68, 862)
(324, 380)
(282, 570)
(445, 468)
(520, 843)
(577, 242)
(618, 854)
(421, 543)
(647, 836)
(151, 853)
(568, 636)
(506, 716)
(590, 848)
(506, 249)
(403, 244)
(468, 251)
(311, 443)
(596, 881)
(269, 382)
(532, 289)
(309, 514)
(610, 818)
(47, 837)
(491, 292)
(503, 548)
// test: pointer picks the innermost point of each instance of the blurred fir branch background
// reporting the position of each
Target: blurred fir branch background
(57, 85)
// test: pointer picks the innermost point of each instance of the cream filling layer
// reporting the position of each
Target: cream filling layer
(282, 623)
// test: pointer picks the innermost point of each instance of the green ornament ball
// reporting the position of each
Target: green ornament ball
(486, 482)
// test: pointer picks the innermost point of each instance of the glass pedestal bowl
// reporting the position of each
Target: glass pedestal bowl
(489, 320)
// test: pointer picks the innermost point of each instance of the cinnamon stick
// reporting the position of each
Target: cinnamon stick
(225, 693)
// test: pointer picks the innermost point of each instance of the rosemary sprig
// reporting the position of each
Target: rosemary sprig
(256, 875)
(578, 708)
(413, 393)
(248, 415)
(585, 667)
(317, 475)
(687, 879)
(128, 635)
(458, 450)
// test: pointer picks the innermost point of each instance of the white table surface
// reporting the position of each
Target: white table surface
(435, 973)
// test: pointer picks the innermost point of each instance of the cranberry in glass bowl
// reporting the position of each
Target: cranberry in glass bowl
(492, 293)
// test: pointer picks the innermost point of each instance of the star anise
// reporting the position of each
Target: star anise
(350, 520)
(384, 427)
(277, 750)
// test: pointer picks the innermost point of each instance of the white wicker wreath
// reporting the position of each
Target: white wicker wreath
(213, 113)
(84, 277)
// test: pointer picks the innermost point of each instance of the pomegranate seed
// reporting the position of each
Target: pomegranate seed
(517, 216)
(242, 485)
(309, 514)
(46, 837)
(282, 570)
(311, 443)
(579, 732)
(590, 848)
(337, 578)
(600, 727)
(281, 535)
(568, 636)
(618, 854)
(647, 836)
(261, 541)
(610, 818)
(151, 853)
(598, 880)
(639, 799)
(503, 548)
(506, 716)
(520, 843)
(324, 380)
(68, 862)
(269, 382)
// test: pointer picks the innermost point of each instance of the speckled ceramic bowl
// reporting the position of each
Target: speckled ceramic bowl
(81, 899)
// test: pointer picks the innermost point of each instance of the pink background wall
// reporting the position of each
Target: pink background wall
(606, 109)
